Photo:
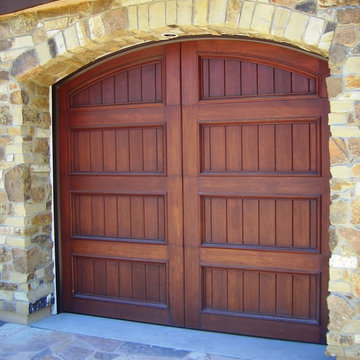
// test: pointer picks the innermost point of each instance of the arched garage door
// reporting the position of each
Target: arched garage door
(194, 189)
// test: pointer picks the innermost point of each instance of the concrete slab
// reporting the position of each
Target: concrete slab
(244, 347)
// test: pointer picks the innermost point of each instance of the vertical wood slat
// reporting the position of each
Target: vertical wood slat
(217, 148)
(251, 219)
(232, 78)
(301, 147)
(217, 78)
(219, 220)
(220, 288)
(249, 78)
(250, 148)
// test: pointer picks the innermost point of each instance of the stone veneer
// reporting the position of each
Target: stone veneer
(41, 45)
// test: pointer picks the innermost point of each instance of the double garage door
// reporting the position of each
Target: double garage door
(194, 189)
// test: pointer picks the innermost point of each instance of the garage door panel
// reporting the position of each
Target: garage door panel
(133, 217)
(287, 147)
(122, 150)
(234, 77)
(261, 221)
(135, 83)
(273, 294)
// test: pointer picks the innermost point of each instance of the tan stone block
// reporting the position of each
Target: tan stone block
(184, 12)
(14, 149)
(341, 312)
(43, 52)
(340, 172)
(115, 21)
(56, 24)
(22, 242)
(143, 17)
(343, 262)
(340, 340)
(96, 27)
(157, 15)
(59, 43)
(280, 21)
(83, 33)
(296, 26)
(326, 42)
(345, 36)
(22, 307)
(354, 147)
(262, 18)
(71, 39)
(314, 31)
(170, 12)
(22, 42)
(341, 106)
(288, 3)
(349, 15)
(339, 211)
(337, 151)
(345, 131)
(338, 118)
(336, 274)
(352, 65)
(201, 12)
(340, 287)
(19, 221)
(132, 18)
(233, 13)
(355, 212)
(217, 12)
(353, 81)
(246, 14)
(334, 86)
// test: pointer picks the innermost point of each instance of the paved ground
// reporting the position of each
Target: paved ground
(80, 337)
(19, 342)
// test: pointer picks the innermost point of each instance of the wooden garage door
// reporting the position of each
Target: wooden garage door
(194, 189)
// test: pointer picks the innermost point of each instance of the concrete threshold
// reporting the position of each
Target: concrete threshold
(243, 347)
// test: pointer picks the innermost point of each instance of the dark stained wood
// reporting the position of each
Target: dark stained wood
(199, 201)
(125, 234)
(260, 129)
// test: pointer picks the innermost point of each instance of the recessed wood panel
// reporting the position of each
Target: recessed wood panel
(222, 78)
(269, 222)
(270, 147)
(140, 84)
(120, 280)
(262, 293)
(125, 150)
(119, 216)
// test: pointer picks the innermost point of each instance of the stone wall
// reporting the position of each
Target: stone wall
(41, 45)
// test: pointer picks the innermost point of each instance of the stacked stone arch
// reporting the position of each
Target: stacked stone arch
(42, 45)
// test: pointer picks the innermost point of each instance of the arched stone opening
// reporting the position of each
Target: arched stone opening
(59, 50)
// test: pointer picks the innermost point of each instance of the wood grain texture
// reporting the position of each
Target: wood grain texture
(195, 189)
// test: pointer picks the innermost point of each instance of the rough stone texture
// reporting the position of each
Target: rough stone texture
(39, 47)
(341, 312)
(17, 183)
